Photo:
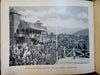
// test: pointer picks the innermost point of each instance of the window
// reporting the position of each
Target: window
(22, 30)
(27, 31)
(17, 31)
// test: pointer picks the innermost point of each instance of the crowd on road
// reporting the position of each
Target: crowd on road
(46, 53)
(27, 54)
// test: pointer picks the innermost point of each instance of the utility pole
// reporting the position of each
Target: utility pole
(64, 53)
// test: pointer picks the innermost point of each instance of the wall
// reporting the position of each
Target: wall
(14, 23)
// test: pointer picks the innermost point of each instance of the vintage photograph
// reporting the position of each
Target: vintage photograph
(48, 35)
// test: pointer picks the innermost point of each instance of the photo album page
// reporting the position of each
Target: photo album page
(44, 38)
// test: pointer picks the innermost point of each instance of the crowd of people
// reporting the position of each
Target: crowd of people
(73, 46)
(32, 54)
(45, 53)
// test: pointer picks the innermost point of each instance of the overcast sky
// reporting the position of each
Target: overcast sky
(67, 19)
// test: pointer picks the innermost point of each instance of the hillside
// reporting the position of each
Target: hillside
(82, 32)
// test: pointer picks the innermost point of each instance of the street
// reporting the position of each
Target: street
(70, 60)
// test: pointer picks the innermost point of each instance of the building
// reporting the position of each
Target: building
(14, 20)
(26, 32)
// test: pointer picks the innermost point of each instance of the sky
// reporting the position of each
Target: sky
(57, 19)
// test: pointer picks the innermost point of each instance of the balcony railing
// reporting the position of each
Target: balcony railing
(42, 28)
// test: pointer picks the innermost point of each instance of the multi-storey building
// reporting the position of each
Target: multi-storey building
(26, 32)
(14, 20)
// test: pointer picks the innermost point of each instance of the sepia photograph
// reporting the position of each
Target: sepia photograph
(48, 35)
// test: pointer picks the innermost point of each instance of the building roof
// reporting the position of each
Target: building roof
(35, 28)
(26, 25)
(81, 40)
(38, 21)
(12, 11)
(23, 25)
